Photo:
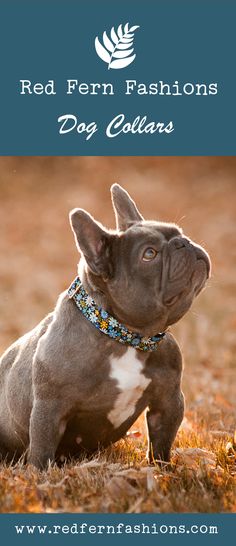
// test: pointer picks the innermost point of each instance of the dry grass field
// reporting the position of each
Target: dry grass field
(38, 260)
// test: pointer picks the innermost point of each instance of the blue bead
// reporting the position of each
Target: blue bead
(135, 341)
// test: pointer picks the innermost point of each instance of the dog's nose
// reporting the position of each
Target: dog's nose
(180, 242)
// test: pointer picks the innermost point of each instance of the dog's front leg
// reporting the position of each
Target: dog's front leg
(163, 420)
(46, 429)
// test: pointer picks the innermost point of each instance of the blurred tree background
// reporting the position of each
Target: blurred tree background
(38, 256)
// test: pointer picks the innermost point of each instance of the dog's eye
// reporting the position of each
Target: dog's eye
(149, 254)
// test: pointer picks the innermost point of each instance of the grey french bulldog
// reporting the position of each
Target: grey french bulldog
(80, 379)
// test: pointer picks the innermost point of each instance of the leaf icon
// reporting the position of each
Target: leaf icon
(102, 52)
(114, 36)
(124, 46)
(121, 63)
(122, 54)
(120, 31)
(107, 42)
(133, 28)
(116, 49)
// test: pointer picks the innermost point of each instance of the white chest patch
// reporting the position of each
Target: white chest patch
(127, 371)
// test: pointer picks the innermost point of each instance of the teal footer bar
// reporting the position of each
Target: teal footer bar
(104, 529)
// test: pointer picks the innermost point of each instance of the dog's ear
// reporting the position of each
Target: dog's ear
(92, 240)
(126, 212)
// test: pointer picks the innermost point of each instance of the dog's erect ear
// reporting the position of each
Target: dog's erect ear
(126, 212)
(92, 240)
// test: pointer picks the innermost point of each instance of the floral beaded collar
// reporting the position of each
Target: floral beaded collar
(106, 323)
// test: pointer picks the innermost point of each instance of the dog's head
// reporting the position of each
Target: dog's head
(149, 271)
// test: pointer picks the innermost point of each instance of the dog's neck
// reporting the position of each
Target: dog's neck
(108, 324)
(95, 286)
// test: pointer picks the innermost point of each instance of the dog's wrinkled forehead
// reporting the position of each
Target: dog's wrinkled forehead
(94, 241)
(154, 230)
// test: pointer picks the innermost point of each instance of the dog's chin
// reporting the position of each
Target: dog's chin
(178, 312)
(168, 316)
(177, 294)
(158, 316)
(146, 323)
(179, 304)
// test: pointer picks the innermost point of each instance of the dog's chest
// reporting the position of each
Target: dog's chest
(127, 370)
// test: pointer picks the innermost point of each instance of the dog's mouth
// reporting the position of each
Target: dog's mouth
(203, 258)
(194, 284)
(171, 301)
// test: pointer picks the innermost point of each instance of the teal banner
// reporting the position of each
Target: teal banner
(117, 78)
(104, 529)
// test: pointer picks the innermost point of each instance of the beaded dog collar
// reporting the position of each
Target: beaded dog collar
(106, 323)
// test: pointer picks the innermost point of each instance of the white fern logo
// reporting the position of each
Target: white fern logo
(117, 49)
